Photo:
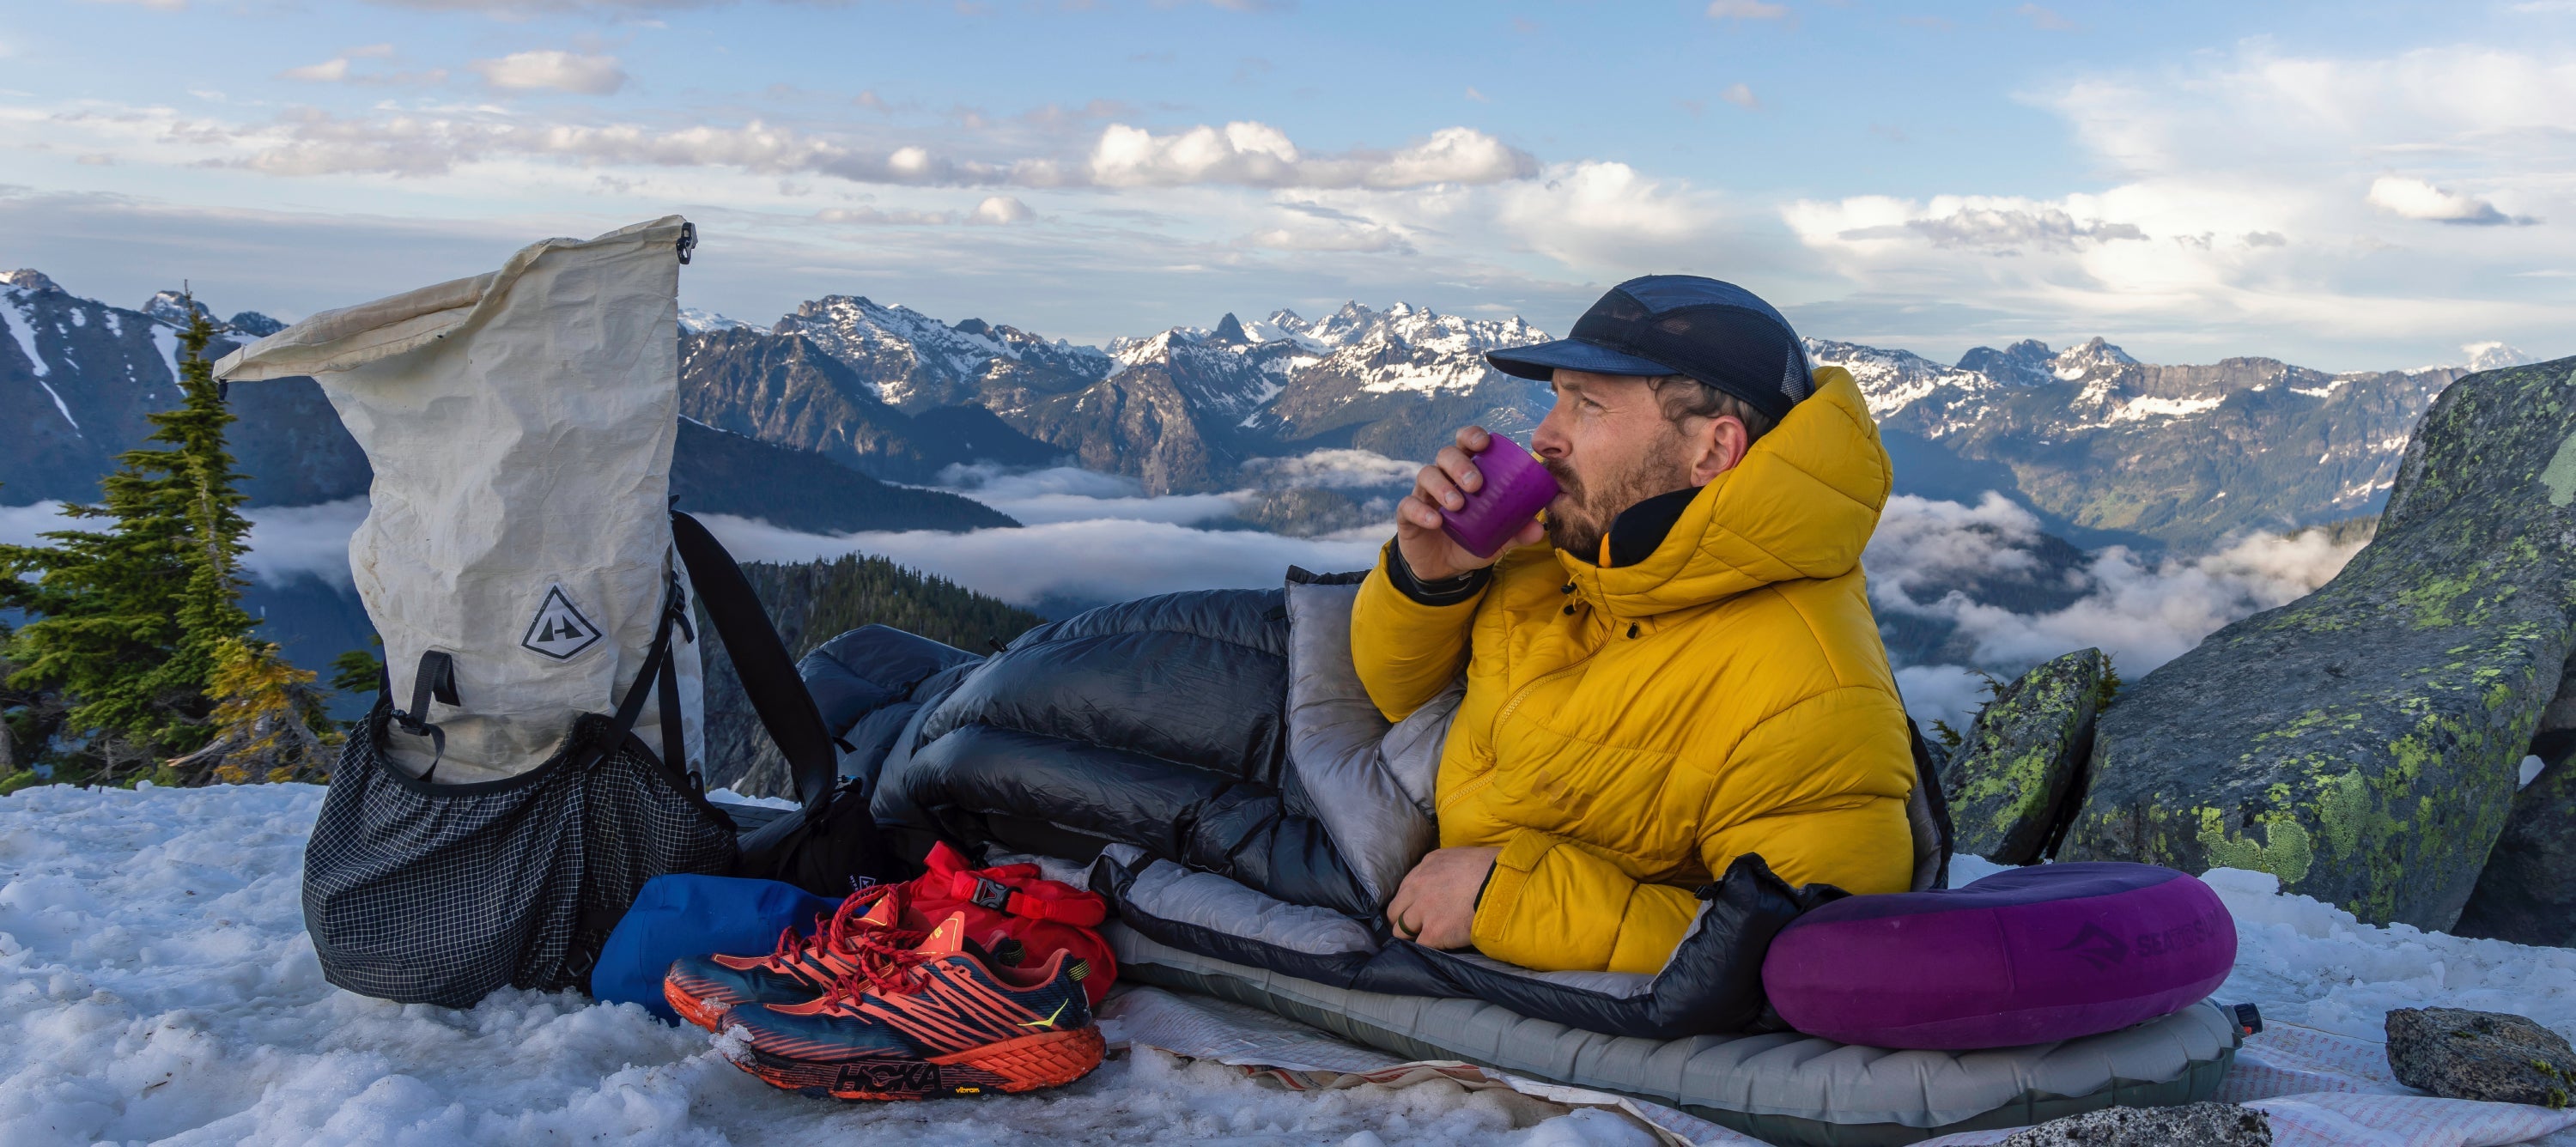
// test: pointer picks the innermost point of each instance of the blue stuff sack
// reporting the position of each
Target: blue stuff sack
(685, 915)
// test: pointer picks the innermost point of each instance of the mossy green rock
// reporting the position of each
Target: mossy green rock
(2527, 894)
(2363, 743)
(2011, 776)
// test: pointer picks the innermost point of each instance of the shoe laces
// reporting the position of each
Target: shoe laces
(833, 934)
(888, 964)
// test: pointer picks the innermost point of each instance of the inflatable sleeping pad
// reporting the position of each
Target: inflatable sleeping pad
(1213, 759)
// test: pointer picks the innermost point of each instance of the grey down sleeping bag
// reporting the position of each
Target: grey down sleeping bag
(1213, 760)
(1215, 755)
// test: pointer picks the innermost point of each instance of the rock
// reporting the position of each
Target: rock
(2190, 1125)
(2363, 743)
(2010, 780)
(2527, 893)
(2492, 1056)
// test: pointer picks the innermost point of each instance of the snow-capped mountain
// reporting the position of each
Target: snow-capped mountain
(2107, 448)
(2104, 447)
(78, 378)
(915, 361)
(1181, 409)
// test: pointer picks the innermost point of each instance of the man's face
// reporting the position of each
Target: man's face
(1610, 447)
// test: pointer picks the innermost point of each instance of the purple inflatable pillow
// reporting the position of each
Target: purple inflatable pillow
(2032, 955)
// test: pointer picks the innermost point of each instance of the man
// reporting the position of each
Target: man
(1685, 672)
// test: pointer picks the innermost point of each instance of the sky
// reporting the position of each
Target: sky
(2345, 186)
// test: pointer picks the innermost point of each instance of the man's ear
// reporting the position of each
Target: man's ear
(1721, 446)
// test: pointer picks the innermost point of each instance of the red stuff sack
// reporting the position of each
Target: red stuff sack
(1023, 919)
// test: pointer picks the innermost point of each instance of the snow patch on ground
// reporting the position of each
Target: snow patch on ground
(156, 983)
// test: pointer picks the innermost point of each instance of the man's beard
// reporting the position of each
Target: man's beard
(1581, 514)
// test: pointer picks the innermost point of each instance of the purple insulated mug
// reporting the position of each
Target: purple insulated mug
(1517, 486)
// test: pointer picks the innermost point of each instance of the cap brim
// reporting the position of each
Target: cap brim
(1571, 354)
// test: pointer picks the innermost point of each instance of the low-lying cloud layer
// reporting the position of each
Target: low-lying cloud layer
(2143, 612)
(1093, 537)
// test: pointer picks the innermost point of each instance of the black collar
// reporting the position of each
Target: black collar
(1639, 529)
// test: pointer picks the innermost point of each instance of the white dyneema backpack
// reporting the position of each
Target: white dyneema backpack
(533, 587)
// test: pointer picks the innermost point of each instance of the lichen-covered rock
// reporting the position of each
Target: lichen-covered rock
(2190, 1125)
(2527, 893)
(2013, 774)
(2363, 742)
(2492, 1056)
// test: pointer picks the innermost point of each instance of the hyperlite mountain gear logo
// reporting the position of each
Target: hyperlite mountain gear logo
(559, 630)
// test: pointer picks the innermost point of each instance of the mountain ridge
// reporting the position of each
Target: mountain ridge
(2104, 447)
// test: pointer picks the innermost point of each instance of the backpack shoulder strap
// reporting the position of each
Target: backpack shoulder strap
(760, 659)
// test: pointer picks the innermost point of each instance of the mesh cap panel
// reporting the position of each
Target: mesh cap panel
(1714, 332)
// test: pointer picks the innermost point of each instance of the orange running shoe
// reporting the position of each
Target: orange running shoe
(705, 989)
(933, 1020)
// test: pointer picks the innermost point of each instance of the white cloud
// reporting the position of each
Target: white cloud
(1306, 228)
(2415, 199)
(2007, 225)
(286, 542)
(328, 71)
(1605, 215)
(1259, 155)
(1001, 210)
(2255, 199)
(1082, 560)
(1340, 469)
(551, 69)
(871, 216)
(1746, 10)
(1741, 96)
(2143, 614)
(157, 5)
(1072, 494)
(2492, 355)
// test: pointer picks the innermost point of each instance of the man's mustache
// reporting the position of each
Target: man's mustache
(1569, 485)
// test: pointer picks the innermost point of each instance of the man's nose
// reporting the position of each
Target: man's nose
(1549, 440)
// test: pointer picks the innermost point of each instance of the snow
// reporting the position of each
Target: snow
(59, 406)
(2141, 409)
(22, 325)
(696, 321)
(729, 796)
(157, 984)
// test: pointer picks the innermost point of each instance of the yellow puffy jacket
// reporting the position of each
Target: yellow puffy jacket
(1726, 695)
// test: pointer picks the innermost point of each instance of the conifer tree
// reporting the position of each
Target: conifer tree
(129, 621)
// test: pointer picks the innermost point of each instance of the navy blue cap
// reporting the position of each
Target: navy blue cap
(1716, 333)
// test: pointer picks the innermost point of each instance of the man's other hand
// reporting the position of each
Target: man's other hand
(1436, 905)
(1444, 484)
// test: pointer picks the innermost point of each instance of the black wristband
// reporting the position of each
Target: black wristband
(1446, 591)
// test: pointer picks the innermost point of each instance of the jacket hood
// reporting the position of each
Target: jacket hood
(1802, 504)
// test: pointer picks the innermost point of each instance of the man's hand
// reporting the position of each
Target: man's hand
(1445, 484)
(1436, 905)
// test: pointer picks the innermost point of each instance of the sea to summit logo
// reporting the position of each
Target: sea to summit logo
(2096, 947)
(559, 630)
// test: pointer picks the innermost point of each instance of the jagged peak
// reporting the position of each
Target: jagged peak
(28, 279)
(254, 324)
(172, 308)
(1229, 330)
(697, 322)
